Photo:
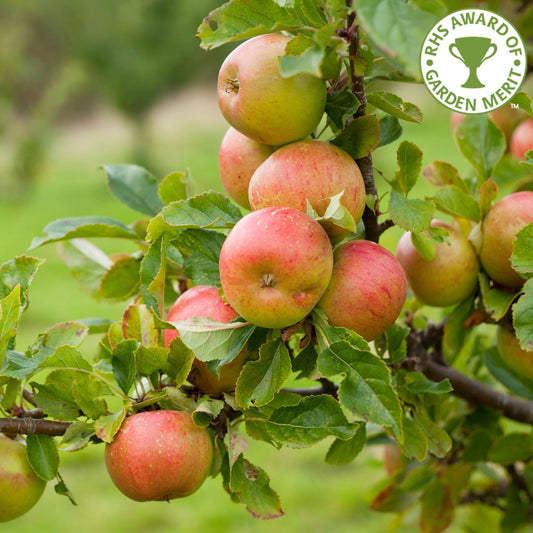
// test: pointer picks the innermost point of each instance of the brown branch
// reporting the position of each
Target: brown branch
(32, 426)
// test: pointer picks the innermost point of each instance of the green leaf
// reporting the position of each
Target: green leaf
(415, 443)
(251, 486)
(497, 302)
(208, 210)
(511, 448)
(335, 218)
(422, 385)
(121, 280)
(410, 214)
(207, 411)
(106, 427)
(19, 271)
(261, 379)
(83, 227)
(77, 436)
(439, 442)
(311, 420)
(87, 263)
(437, 507)
(522, 257)
(123, 362)
(43, 456)
(10, 313)
(398, 29)
(409, 157)
(481, 142)
(454, 201)
(340, 106)
(523, 101)
(395, 106)
(173, 187)
(366, 391)
(242, 19)
(87, 391)
(360, 137)
(389, 130)
(523, 316)
(55, 396)
(200, 249)
(306, 59)
(343, 451)
(135, 187)
(211, 340)
(441, 173)
(393, 342)
(487, 194)
(66, 333)
(138, 323)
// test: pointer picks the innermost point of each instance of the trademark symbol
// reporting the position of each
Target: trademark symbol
(514, 106)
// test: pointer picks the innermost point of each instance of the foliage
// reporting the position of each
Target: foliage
(311, 381)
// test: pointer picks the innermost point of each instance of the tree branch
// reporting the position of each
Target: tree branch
(32, 426)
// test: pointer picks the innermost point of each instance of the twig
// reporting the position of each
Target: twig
(32, 426)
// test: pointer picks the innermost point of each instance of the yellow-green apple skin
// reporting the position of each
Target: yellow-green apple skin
(367, 289)
(450, 277)
(256, 100)
(499, 228)
(518, 359)
(275, 265)
(159, 456)
(522, 139)
(309, 171)
(20, 487)
(238, 158)
(205, 301)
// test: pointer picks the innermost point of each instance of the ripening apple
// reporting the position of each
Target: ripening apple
(205, 301)
(311, 171)
(238, 158)
(450, 277)
(256, 100)
(159, 456)
(20, 487)
(522, 139)
(367, 289)
(499, 228)
(507, 118)
(275, 264)
(518, 359)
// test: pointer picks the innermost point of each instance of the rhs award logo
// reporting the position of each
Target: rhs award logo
(473, 61)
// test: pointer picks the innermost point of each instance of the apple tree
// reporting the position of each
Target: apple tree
(275, 314)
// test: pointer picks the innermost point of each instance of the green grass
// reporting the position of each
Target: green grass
(315, 496)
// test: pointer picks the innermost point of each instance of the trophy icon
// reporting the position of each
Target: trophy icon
(473, 52)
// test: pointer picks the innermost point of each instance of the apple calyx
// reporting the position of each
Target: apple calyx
(268, 280)
(232, 85)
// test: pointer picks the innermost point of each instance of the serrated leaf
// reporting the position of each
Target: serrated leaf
(135, 187)
(410, 214)
(207, 411)
(390, 129)
(360, 137)
(393, 343)
(123, 363)
(77, 436)
(395, 106)
(121, 280)
(488, 192)
(340, 105)
(409, 158)
(19, 271)
(454, 201)
(523, 316)
(83, 227)
(311, 420)
(87, 391)
(43, 455)
(441, 173)
(242, 19)
(138, 323)
(10, 313)
(107, 426)
(522, 257)
(343, 451)
(481, 142)
(173, 187)
(55, 396)
(200, 249)
(87, 263)
(210, 340)
(208, 210)
(251, 486)
(261, 379)
(366, 391)
(398, 29)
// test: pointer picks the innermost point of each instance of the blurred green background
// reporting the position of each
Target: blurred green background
(84, 84)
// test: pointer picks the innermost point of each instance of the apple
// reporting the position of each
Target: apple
(238, 158)
(522, 139)
(20, 487)
(159, 456)
(518, 359)
(498, 229)
(367, 289)
(507, 118)
(256, 100)
(205, 301)
(275, 264)
(311, 171)
(450, 277)
(455, 120)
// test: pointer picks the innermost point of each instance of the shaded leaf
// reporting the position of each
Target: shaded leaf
(43, 455)
(360, 137)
